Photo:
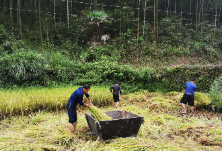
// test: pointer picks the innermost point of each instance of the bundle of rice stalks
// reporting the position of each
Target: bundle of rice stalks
(98, 114)
(201, 99)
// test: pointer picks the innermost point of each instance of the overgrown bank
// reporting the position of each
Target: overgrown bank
(30, 68)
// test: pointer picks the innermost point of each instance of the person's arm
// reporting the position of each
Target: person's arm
(111, 89)
(86, 105)
(120, 90)
(89, 100)
(88, 97)
(184, 91)
(195, 88)
(80, 101)
(184, 88)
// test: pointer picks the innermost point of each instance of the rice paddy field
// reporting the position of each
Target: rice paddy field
(26, 101)
(36, 119)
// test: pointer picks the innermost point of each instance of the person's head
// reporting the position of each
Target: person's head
(116, 82)
(86, 88)
(193, 79)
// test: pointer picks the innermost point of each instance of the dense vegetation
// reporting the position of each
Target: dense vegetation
(155, 45)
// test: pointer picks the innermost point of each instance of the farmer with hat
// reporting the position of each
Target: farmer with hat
(188, 96)
(116, 90)
(76, 98)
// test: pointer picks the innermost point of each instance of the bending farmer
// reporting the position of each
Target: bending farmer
(116, 90)
(76, 98)
(188, 96)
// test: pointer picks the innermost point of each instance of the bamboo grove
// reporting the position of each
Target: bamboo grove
(46, 42)
(130, 14)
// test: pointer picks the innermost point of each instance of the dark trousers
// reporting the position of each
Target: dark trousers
(71, 112)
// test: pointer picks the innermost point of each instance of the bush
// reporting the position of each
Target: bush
(8, 42)
(99, 53)
(3, 34)
(21, 67)
(29, 68)
(216, 92)
(26, 68)
(11, 45)
(104, 72)
(174, 79)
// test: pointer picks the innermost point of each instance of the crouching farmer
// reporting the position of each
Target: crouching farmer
(76, 97)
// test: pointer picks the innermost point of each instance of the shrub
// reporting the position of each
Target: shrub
(21, 67)
(29, 68)
(11, 45)
(26, 68)
(3, 34)
(97, 15)
(216, 92)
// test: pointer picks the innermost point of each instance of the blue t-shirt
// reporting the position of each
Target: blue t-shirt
(190, 88)
(77, 96)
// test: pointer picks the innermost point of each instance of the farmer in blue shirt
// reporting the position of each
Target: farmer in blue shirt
(188, 96)
(76, 98)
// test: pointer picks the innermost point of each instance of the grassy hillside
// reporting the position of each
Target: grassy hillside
(164, 127)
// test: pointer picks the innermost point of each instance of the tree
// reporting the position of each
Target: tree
(20, 20)
(215, 21)
(154, 24)
(168, 4)
(54, 12)
(68, 13)
(157, 21)
(11, 7)
(144, 22)
(138, 31)
(196, 16)
(175, 7)
(40, 25)
(97, 17)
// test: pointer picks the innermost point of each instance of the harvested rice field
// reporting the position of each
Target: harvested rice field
(164, 128)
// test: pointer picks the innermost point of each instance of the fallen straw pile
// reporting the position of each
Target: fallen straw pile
(98, 114)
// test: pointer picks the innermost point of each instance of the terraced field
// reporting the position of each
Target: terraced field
(165, 128)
